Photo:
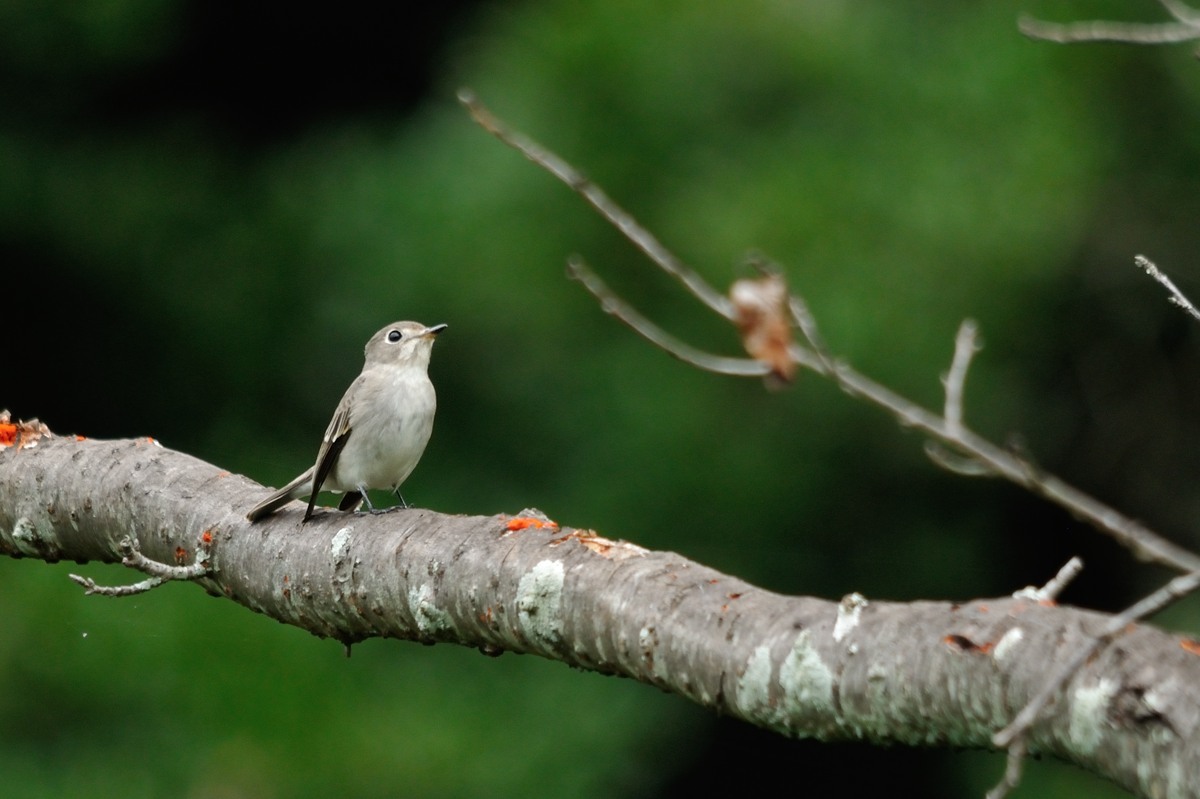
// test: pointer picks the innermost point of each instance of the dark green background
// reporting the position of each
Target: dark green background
(206, 209)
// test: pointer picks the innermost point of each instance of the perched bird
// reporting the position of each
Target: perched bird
(380, 427)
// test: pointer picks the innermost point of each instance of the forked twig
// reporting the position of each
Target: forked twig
(992, 459)
(807, 323)
(981, 456)
(1013, 768)
(1176, 589)
(612, 304)
(159, 573)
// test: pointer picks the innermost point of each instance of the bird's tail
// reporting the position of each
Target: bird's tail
(300, 487)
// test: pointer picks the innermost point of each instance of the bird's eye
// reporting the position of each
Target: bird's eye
(395, 335)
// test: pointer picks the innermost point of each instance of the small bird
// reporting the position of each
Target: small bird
(380, 427)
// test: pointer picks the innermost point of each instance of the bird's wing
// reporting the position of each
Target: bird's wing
(335, 439)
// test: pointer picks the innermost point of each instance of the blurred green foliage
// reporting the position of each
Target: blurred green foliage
(209, 276)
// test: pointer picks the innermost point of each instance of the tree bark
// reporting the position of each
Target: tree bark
(920, 673)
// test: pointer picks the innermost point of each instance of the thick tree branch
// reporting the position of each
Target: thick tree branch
(930, 673)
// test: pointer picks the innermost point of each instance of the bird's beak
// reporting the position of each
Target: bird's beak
(433, 331)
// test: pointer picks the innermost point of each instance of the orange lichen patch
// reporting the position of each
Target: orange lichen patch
(1190, 645)
(21, 434)
(206, 537)
(734, 596)
(761, 313)
(524, 522)
(961, 642)
(180, 555)
(80, 438)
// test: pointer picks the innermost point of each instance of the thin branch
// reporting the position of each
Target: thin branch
(954, 381)
(131, 556)
(1144, 543)
(1050, 591)
(1101, 31)
(641, 238)
(1069, 571)
(1013, 768)
(1181, 11)
(1177, 297)
(808, 327)
(612, 304)
(1013, 736)
(1176, 589)
(954, 385)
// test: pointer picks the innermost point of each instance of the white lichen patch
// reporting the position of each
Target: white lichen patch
(754, 686)
(1156, 700)
(29, 540)
(849, 613)
(539, 603)
(1171, 778)
(429, 617)
(1089, 714)
(1008, 643)
(339, 548)
(806, 681)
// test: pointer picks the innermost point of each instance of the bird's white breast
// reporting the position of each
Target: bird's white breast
(389, 428)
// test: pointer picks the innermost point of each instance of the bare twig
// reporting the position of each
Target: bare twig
(611, 303)
(1176, 589)
(1013, 736)
(1144, 543)
(90, 586)
(577, 182)
(1050, 591)
(808, 327)
(1060, 581)
(1177, 297)
(1013, 768)
(954, 381)
(1101, 31)
(1181, 12)
(131, 556)
(991, 458)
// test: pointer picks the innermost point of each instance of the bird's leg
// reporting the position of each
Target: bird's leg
(363, 490)
(400, 497)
